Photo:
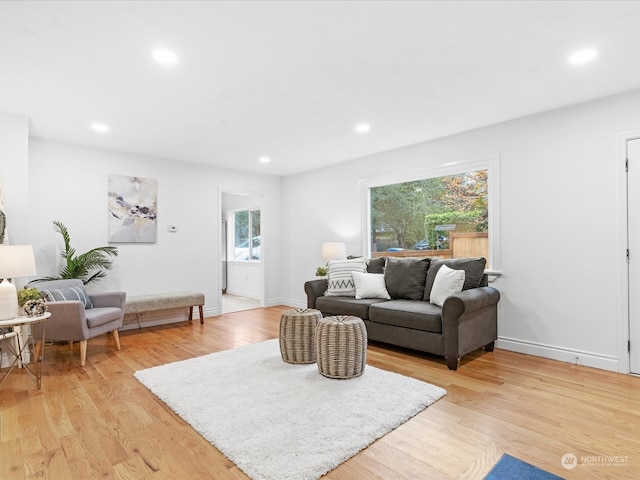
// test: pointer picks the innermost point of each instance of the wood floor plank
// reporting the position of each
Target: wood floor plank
(100, 422)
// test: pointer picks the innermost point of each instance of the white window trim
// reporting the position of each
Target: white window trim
(231, 227)
(492, 165)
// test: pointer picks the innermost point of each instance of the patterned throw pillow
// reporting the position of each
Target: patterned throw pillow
(340, 281)
(67, 293)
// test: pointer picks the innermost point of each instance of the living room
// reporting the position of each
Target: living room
(559, 240)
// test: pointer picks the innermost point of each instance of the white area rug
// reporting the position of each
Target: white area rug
(278, 421)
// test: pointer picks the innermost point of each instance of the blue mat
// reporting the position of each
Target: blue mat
(510, 468)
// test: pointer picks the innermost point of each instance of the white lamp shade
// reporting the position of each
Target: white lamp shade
(334, 251)
(16, 261)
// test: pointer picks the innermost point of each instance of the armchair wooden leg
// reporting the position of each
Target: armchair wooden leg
(116, 337)
(83, 352)
(70, 344)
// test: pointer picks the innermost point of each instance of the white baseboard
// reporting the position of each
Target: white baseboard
(579, 357)
(274, 302)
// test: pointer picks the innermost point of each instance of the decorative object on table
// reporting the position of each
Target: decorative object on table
(15, 261)
(297, 335)
(294, 423)
(35, 308)
(81, 266)
(133, 207)
(341, 346)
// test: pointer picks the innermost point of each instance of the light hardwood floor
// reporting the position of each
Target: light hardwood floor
(99, 422)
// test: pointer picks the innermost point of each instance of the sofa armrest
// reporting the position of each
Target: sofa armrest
(315, 289)
(469, 300)
(469, 322)
(67, 322)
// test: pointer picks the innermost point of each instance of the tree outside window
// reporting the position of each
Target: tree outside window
(426, 214)
(246, 235)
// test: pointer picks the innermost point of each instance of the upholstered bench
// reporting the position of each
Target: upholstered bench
(165, 301)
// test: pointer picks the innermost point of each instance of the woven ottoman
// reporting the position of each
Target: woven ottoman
(297, 335)
(341, 346)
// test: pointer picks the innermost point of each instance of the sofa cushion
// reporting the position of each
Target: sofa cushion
(76, 292)
(447, 282)
(346, 306)
(370, 285)
(405, 277)
(408, 314)
(473, 271)
(374, 265)
(340, 282)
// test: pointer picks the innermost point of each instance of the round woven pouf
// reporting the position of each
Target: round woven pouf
(297, 335)
(341, 346)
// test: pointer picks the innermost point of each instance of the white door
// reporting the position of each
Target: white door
(633, 229)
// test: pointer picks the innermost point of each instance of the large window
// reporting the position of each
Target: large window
(432, 214)
(246, 235)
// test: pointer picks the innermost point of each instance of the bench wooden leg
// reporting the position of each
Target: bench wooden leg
(190, 313)
(201, 315)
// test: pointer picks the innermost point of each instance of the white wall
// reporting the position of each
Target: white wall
(14, 174)
(69, 183)
(560, 190)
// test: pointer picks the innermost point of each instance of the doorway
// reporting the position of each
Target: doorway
(242, 266)
(633, 251)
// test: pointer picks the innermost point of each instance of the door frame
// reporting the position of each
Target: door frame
(260, 196)
(624, 320)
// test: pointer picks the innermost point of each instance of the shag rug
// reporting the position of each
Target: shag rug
(278, 421)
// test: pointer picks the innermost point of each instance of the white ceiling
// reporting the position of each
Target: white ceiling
(290, 80)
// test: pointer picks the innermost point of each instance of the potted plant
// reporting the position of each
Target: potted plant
(81, 266)
(321, 272)
(31, 302)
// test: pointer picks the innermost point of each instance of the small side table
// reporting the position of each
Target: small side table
(17, 350)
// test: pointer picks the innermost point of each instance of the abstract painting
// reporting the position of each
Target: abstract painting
(132, 209)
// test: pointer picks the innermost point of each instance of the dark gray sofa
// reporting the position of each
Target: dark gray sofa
(467, 321)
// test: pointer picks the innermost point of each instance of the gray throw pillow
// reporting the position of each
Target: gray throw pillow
(405, 277)
(374, 265)
(473, 269)
(67, 293)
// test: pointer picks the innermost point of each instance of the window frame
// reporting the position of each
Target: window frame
(491, 164)
(231, 234)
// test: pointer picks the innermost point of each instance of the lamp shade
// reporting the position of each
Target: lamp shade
(16, 261)
(334, 251)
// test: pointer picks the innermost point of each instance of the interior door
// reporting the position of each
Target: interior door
(633, 232)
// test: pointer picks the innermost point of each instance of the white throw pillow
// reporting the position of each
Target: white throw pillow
(370, 285)
(339, 281)
(446, 283)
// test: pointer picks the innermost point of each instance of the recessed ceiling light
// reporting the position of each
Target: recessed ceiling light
(264, 159)
(100, 127)
(363, 128)
(583, 56)
(165, 57)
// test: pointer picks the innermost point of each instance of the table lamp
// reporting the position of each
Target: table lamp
(15, 261)
(334, 251)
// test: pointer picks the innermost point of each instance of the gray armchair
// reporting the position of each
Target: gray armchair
(71, 321)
